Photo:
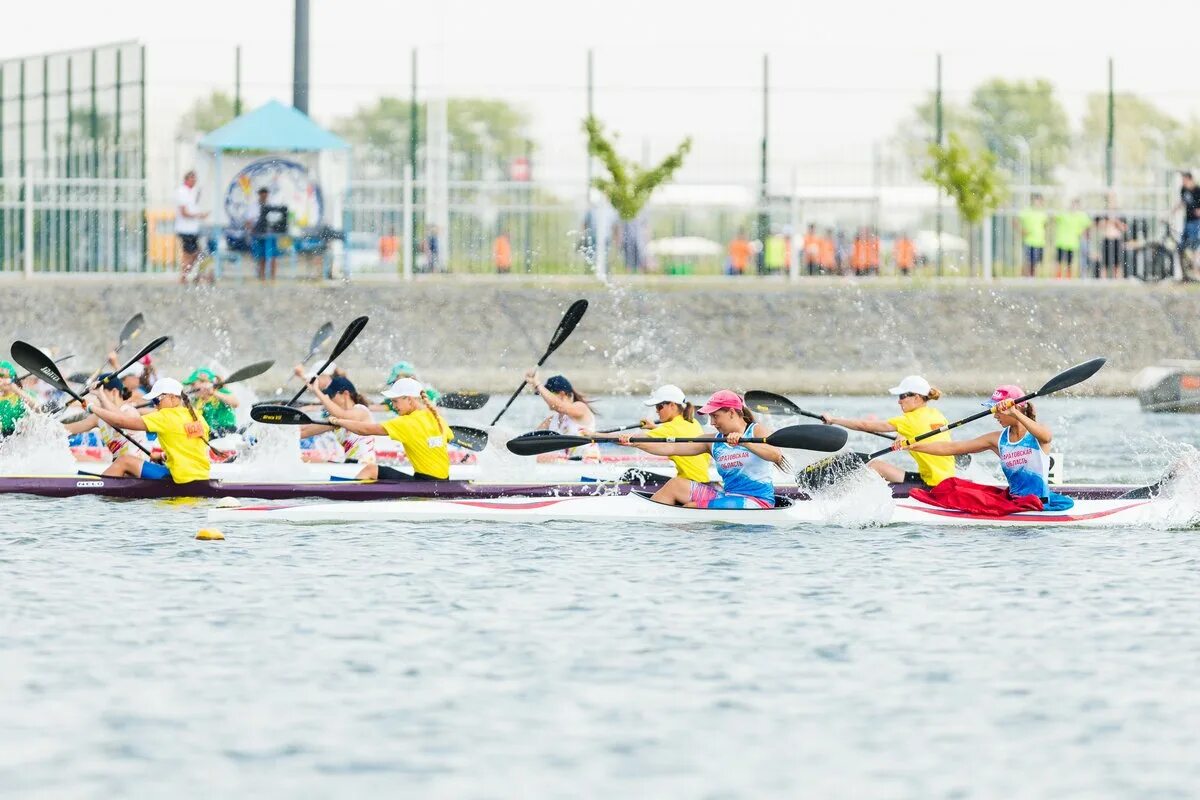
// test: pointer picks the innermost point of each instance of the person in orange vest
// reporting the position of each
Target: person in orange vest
(904, 252)
(858, 252)
(872, 252)
(502, 253)
(812, 251)
(828, 254)
(389, 246)
(739, 254)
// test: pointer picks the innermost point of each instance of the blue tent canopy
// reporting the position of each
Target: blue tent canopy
(273, 127)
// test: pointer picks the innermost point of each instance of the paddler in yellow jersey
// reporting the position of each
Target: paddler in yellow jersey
(676, 417)
(917, 417)
(417, 426)
(182, 435)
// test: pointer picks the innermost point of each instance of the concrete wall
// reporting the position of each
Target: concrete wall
(822, 336)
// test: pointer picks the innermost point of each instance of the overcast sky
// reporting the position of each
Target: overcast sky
(843, 73)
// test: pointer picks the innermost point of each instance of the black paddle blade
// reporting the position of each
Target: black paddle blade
(56, 361)
(40, 364)
(78, 377)
(245, 373)
(464, 401)
(348, 336)
(472, 439)
(544, 442)
(1068, 378)
(280, 415)
(322, 335)
(822, 438)
(569, 321)
(145, 351)
(132, 328)
(770, 403)
(829, 471)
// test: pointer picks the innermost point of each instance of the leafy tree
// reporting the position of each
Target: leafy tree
(971, 179)
(628, 186)
(1005, 112)
(914, 134)
(206, 115)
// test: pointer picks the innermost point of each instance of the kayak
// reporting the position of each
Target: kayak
(636, 506)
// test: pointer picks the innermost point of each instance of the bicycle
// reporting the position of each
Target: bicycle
(1161, 255)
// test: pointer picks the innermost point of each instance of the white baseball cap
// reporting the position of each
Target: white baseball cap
(135, 369)
(405, 387)
(669, 393)
(912, 384)
(165, 386)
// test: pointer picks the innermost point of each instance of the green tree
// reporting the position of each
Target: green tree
(972, 180)
(913, 135)
(628, 186)
(1005, 112)
(206, 115)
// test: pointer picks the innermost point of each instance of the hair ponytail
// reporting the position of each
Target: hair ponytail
(934, 393)
(688, 411)
(747, 415)
(445, 426)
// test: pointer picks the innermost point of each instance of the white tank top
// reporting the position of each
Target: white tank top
(117, 444)
(569, 426)
(356, 447)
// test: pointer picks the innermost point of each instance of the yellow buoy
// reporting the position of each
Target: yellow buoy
(210, 535)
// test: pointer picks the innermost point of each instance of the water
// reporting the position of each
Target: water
(628, 660)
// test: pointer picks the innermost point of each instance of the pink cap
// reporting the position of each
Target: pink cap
(1007, 391)
(147, 360)
(722, 399)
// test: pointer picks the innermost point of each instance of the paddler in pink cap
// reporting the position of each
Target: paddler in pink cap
(1022, 443)
(745, 468)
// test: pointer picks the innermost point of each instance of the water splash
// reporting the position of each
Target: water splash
(274, 456)
(1179, 492)
(858, 499)
(37, 447)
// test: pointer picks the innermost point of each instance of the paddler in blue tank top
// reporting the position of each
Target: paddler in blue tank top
(745, 468)
(1023, 445)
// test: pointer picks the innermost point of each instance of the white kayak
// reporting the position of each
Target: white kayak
(638, 507)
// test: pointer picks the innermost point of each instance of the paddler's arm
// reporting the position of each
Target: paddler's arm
(865, 425)
(313, 430)
(1040, 432)
(228, 398)
(324, 399)
(666, 448)
(980, 444)
(82, 425)
(118, 419)
(362, 428)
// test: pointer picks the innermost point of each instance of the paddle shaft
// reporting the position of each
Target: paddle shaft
(348, 337)
(564, 329)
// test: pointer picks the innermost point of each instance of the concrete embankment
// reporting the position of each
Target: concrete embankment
(820, 336)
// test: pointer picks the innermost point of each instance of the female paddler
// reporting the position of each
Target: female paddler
(182, 435)
(745, 468)
(1022, 443)
(342, 400)
(676, 417)
(571, 411)
(12, 399)
(916, 417)
(110, 394)
(215, 405)
(418, 426)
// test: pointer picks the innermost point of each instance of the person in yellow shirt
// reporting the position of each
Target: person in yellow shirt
(913, 394)
(182, 435)
(417, 426)
(676, 417)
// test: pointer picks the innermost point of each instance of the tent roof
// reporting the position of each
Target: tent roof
(273, 126)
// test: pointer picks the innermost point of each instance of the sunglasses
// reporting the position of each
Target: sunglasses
(662, 405)
(907, 395)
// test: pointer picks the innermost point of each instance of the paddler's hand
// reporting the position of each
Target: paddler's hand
(298, 371)
(827, 419)
(1003, 406)
(531, 377)
(625, 439)
(901, 444)
(647, 424)
(732, 439)
(112, 357)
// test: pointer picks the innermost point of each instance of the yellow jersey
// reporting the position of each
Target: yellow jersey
(424, 437)
(694, 468)
(933, 469)
(183, 442)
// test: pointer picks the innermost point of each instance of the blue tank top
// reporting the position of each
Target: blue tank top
(1026, 467)
(741, 471)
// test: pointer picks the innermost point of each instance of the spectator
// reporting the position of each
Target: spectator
(433, 249)
(904, 253)
(740, 252)
(829, 255)
(812, 251)
(1112, 239)
(841, 253)
(263, 247)
(1032, 221)
(389, 247)
(1069, 227)
(502, 253)
(864, 256)
(774, 253)
(187, 225)
(1189, 202)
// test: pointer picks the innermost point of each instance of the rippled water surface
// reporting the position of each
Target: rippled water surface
(476, 660)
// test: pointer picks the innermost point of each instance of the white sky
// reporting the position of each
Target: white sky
(843, 73)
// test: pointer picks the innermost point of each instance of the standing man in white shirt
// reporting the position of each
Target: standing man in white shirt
(187, 224)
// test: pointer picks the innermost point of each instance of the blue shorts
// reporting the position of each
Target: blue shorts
(1033, 255)
(1191, 234)
(153, 471)
(264, 247)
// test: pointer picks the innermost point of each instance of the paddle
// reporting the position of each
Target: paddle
(128, 333)
(245, 373)
(796, 437)
(319, 338)
(348, 336)
(828, 470)
(771, 403)
(44, 367)
(569, 321)
(464, 401)
(472, 439)
(56, 361)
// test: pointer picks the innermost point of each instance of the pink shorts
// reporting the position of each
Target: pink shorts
(705, 495)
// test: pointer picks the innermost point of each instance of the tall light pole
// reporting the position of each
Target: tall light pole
(300, 58)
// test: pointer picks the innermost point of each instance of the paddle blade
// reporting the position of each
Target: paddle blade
(823, 438)
(132, 328)
(569, 321)
(78, 377)
(321, 337)
(472, 439)
(536, 445)
(1068, 378)
(245, 373)
(348, 336)
(40, 364)
(771, 403)
(280, 415)
(829, 471)
(464, 401)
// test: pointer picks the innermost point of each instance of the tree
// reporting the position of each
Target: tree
(914, 134)
(1006, 112)
(971, 179)
(206, 115)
